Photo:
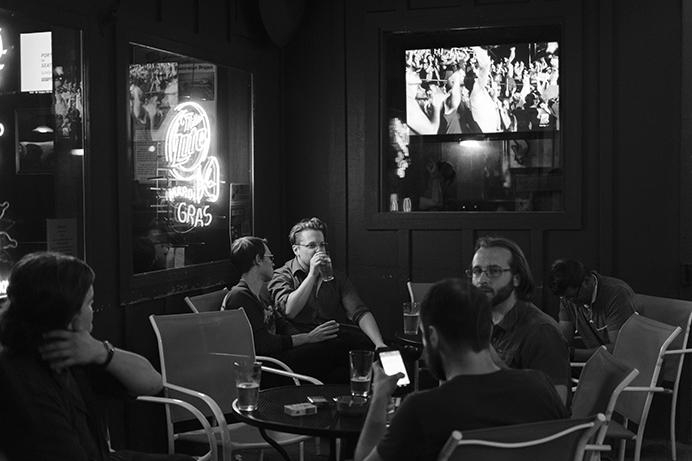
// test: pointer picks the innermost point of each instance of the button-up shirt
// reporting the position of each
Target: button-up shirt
(527, 337)
(333, 300)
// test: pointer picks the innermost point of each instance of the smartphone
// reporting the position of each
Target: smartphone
(392, 363)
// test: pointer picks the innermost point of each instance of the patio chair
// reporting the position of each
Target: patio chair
(641, 344)
(418, 290)
(206, 302)
(675, 312)
(558, 440)
(602, 380)
(197, 353)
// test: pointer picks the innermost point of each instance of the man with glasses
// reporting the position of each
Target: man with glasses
(302, 351)
(523, 335)
(592, 305)
(299, 291)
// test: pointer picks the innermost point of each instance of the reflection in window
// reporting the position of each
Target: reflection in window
(41, 140)
(191, 178)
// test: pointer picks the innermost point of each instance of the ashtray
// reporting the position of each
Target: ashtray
(351, 405)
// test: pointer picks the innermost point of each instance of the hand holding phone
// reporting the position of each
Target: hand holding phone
(392, 363)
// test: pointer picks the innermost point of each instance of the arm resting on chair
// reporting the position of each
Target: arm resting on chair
(295, 376)
(677, 351)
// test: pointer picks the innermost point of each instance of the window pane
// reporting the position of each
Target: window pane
(41, 140)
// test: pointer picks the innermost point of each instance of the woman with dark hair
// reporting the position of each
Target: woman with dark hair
(60, 373)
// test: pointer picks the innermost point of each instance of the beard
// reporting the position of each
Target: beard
(434, 361)
(502, 294)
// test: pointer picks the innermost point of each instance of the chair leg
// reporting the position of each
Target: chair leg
(621, 451)
(638, 447)
(673, 447)
(261, 455)
(337, 449)
(301, 455)
(318, 450)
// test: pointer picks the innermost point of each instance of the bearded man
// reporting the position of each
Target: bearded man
(523, 335)
(455, 321)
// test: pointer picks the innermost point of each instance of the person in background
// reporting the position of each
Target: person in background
(306, 353)
(592, 305)
(300, 293)
(523, 335)
(456, 323)
(60, 373)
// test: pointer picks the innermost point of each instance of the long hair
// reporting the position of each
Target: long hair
(517, 263)
(45, 291)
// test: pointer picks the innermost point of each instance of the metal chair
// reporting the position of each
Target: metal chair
(197, 353)
(418, 290)
(206, 302)
(557, 440)
(602, 380)
(641, 344)
(675, 312)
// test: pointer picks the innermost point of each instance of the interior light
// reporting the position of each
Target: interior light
(77, 152)
(152, 149)
(43, 129)
(2, 129)
(470, 144)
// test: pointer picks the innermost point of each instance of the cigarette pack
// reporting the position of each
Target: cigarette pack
(300, 409)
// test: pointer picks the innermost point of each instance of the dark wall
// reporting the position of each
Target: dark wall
(624, 152)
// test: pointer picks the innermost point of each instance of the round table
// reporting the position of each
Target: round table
(326, 423)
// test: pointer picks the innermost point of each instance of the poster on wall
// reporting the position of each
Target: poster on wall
(240, 210)
(153, 91)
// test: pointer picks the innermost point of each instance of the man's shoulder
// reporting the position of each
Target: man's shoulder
(534, 317)
(284, 273)
(614, 284)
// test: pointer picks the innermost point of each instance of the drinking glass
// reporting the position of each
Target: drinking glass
(326, 270)
(361, 372)
(247, 382)
(411, 317)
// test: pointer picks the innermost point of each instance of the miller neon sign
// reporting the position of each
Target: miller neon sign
(195, 175)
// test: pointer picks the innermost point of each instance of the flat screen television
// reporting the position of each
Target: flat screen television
(480, 81)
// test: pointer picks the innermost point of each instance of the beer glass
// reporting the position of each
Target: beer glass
(247, 383)
(326, 270)
(361, 372)
(411, 317)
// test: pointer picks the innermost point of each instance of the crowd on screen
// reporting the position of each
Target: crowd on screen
(477, 90)
(498, 358)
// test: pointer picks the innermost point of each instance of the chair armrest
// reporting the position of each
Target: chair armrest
(677, 351)
(264, 358)
(289, 374)
(644, 389)
(594, 447)
(211, 438)
(213, 406)
(577, 364)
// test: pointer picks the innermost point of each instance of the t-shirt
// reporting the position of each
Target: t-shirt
(426, 419)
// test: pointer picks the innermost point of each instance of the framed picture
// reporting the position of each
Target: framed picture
(35, 145)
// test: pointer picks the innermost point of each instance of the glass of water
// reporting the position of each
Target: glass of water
(247, 383)
(411, 317)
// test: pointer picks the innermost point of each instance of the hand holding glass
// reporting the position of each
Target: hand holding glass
(361, 372)
(411, 317)
(247, 383)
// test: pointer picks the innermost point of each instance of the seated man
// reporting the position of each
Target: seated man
(523, 335)
(299, 292)
(456, 324)
(58, 373)
(251, 256)
(594, 305)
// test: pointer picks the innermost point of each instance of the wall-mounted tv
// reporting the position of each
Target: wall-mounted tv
(475, 81)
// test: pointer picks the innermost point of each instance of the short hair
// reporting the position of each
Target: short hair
(566, 273)
(304, 224)
(517, 263)
(244, 250)
(460, 312)
(45, 291)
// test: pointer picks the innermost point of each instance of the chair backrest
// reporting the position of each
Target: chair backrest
(675, 312)
(188, 348)
(206, 302)
(600, 383)
(641, 344)
(418, 290)
(558, 440)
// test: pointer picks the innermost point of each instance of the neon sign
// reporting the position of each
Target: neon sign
(6, 242)
(194, 175)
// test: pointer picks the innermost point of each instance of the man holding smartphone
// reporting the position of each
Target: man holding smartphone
(456, 323)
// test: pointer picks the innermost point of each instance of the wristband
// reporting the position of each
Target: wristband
(110, 351)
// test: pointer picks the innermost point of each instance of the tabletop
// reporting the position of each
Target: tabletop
(326, 423)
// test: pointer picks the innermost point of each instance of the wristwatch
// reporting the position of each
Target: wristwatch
(110, 351)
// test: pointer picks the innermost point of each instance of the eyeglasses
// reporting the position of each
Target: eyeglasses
(271, 257)
(313, 245)
(492, 272)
